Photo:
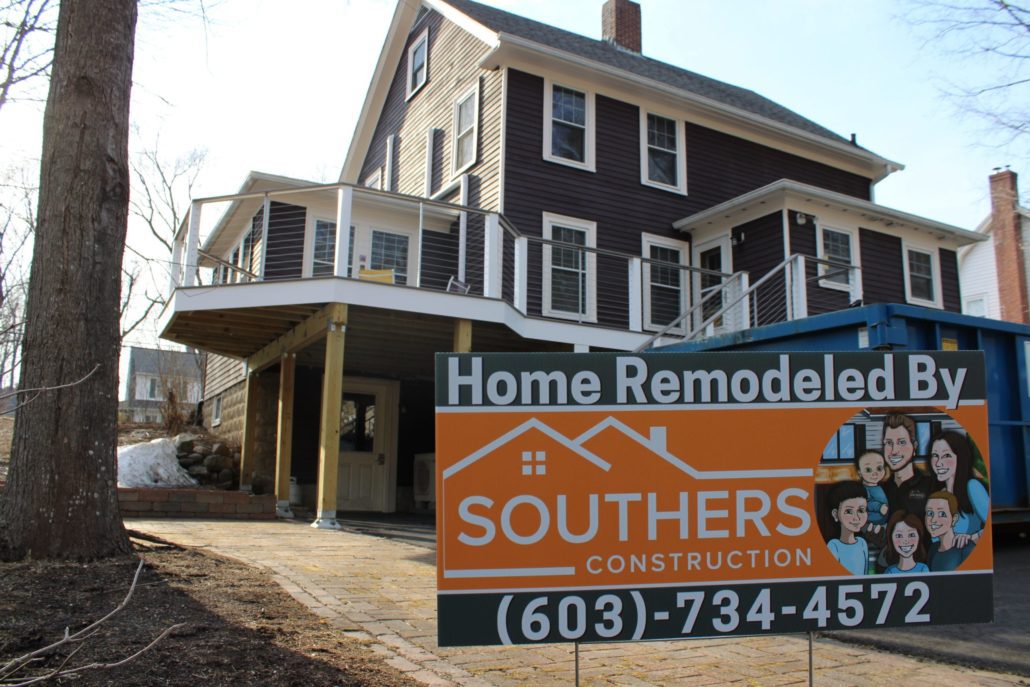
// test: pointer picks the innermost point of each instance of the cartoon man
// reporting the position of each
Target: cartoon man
(941, 515)
(909, 488)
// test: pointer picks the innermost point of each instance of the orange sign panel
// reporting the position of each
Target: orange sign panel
(599, 497)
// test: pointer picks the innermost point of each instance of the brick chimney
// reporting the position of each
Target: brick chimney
(1008, 247)
(620, 24)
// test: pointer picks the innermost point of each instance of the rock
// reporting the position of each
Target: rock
(199, 447)
(190, 460)
(196, 457)
(221, 450)
(261, 484)
(184, 442)
(227, 475)
(216, 463)
(198, 471)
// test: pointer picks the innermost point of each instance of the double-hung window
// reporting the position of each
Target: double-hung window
(922, 279)
(569, 126)
(665, 284)
(466, 116)
(390, 251)
(835, 246)
(662, 157)
(570, 269)
(418, 63)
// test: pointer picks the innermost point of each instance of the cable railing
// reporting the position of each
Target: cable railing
(414, 242)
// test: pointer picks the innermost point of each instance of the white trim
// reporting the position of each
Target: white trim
(474, 94)
(820, 252)
(646, 241)
(310, 230)
(216, 411)
(935, 266)
(391, 151)
(981, 296)
(551, 220)
(681, 154)
(504, 133)
(413, 88)
(590, 128)
(374, 180)
(427, 189)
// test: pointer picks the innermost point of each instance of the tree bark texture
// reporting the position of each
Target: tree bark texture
(61, 499)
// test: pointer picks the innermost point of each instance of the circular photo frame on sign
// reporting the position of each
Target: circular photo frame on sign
(901, 492)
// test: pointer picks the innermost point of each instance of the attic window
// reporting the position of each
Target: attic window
(568, 126)
(418, 63)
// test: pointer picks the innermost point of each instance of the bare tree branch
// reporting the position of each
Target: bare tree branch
(27, 48)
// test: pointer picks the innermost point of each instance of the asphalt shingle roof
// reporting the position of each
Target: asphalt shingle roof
(607, 54)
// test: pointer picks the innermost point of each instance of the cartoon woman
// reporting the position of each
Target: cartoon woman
(951, 459)
(941, 515)
(905, 553)
(872, 470)
(848, 509)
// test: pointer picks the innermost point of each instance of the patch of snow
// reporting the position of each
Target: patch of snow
(153, 464)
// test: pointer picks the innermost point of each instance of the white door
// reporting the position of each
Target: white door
(712, 255)
(368, 445)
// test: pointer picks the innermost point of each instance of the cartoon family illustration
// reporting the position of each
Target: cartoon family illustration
(898, 519)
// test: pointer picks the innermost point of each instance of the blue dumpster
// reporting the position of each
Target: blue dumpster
(1006, 348)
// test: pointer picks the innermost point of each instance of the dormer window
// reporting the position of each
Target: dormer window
(569, 126)
(662, 153)
(418, 63)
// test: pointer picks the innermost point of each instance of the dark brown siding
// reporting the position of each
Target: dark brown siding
(286, 225)
(719, 167)
(453, 56)
(758, 249)
(951, 290)
(883, 276)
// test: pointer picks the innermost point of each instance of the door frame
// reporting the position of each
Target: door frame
(722, 242)
(387, 393)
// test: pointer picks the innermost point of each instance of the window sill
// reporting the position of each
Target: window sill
(679, 190)
(834, 286)
(924, 304)
(570, 316)
(583, 166)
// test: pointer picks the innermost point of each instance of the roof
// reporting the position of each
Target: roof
(784, 188)
(169, 363)
(608, 54)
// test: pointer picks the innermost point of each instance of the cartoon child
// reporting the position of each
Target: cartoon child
(905, 553)
(909, 488)
(951, 458)
(848, 509)
(941, 515)
(872, 470)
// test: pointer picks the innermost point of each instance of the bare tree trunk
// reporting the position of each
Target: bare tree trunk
(61, 499)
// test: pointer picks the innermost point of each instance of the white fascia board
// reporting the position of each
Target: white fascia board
(391, 297)
(389, 58)
(786, 191)
(879, 166)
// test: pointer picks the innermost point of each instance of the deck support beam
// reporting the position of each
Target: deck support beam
(329, 432)
(462, 336)
(284, 448)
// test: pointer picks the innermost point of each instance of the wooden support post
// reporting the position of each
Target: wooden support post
(463, 336)
(329, 433)
(284, 450)
(247, 458)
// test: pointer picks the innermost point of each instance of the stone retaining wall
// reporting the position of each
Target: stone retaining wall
(195, 503)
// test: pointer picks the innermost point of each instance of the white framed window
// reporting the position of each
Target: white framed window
(570, 273)
(234, 258)
(418, 63)
(975, 305)
(663, 160)
(922, 276)
(838, 247)
(389, 251)
(665, 281)
(374, 180)
(323, 249)
(466, 131)
(569, 126)
(216, 411)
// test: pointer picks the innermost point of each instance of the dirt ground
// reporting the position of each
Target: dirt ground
(240, 627)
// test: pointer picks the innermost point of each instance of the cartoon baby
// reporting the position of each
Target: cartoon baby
(872, 470)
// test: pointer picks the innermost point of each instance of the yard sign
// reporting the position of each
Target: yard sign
(612, 497)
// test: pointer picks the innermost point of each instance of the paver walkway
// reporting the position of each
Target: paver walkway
(384, 592)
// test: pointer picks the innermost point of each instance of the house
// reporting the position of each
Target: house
(151, 374)
(1001, 259)
(511, 186)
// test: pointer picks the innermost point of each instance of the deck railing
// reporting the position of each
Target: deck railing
(450, 247)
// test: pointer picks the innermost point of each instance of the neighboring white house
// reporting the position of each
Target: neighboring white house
(1002, 259)
(151, 373)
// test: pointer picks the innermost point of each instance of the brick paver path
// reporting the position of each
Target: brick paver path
(384, 592)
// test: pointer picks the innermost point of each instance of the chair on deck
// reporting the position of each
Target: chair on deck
(384, 276)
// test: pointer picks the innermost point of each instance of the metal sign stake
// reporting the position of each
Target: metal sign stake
(811, 676)
(577, 663)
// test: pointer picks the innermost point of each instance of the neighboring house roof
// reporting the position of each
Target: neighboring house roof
(498, 29)
(785, 189)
